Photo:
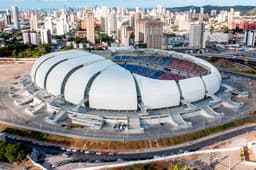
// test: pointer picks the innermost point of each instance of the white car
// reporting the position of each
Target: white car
(98, 153)
(87, 152)
(74, 150)
(119, 160)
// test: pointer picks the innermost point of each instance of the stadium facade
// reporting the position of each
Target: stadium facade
(93, 81)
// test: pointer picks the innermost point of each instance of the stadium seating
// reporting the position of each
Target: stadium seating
(168, 76)
(186, 66)
(157, 60)
(169, 62)
(147, 72)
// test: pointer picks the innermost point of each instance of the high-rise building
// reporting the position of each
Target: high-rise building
(60, 27)
(26, 37)
(137, 16)
(131, 20)
(113, 22)
(30, 37)
(232, 12)
(149, 32)
(45, 36)
(34, 38)
(8, 20)
(197, 37)
(213, 13)
(33, 21)
(90, 27)
(249, 38)
(182, 21)
(103, 22)
(201, 15)
(125, 33)
(48, 24)
(15, 17)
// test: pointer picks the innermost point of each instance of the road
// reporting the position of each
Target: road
(229, 55)
(140, 155)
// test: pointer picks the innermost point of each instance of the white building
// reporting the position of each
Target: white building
(48, 24)
(249, 38)
(104, 24)
(222, 16)
(182, 21)
(60, 26)
(34, 38)
(113, 22)
(15, 17)
(90, 29)
(219, 37)
(45, 36)
(197, 36)
(33, 21)
(30, 37)
(26, 37)
(8, 19)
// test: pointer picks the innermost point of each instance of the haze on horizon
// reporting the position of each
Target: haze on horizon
(49, 4)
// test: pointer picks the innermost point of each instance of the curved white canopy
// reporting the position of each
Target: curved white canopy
(46, 67)
(212, 83)
(113, 89)
(80, 79)
(158, 93)
(56, 78)
(76, 75)
(192, 89)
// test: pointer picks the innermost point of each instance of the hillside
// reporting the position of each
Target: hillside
(208, 8)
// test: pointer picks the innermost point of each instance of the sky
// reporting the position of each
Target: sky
(46, 4)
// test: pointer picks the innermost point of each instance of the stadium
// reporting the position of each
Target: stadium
(127, 87)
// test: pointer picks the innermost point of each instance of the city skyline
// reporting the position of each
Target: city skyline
(48, 4)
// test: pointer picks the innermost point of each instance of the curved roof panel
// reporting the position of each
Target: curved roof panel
(158, 93)
(80, 79)
(48, 65)
(212, 83)
(55, 80)
(192, 89)
(78, 75)
(113, 89)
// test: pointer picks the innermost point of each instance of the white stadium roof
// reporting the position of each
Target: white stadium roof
(78, 75)
(157, 94)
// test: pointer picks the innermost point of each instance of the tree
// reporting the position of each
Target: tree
(211, 28)
(14, 53)
(226, 29)
(11, 153)
(175, 28)
(103, 37)
(176, 167)
(2, 151)
(20, 54)
(187, 168)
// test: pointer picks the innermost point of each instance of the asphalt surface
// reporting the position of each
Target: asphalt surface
(92, 157)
